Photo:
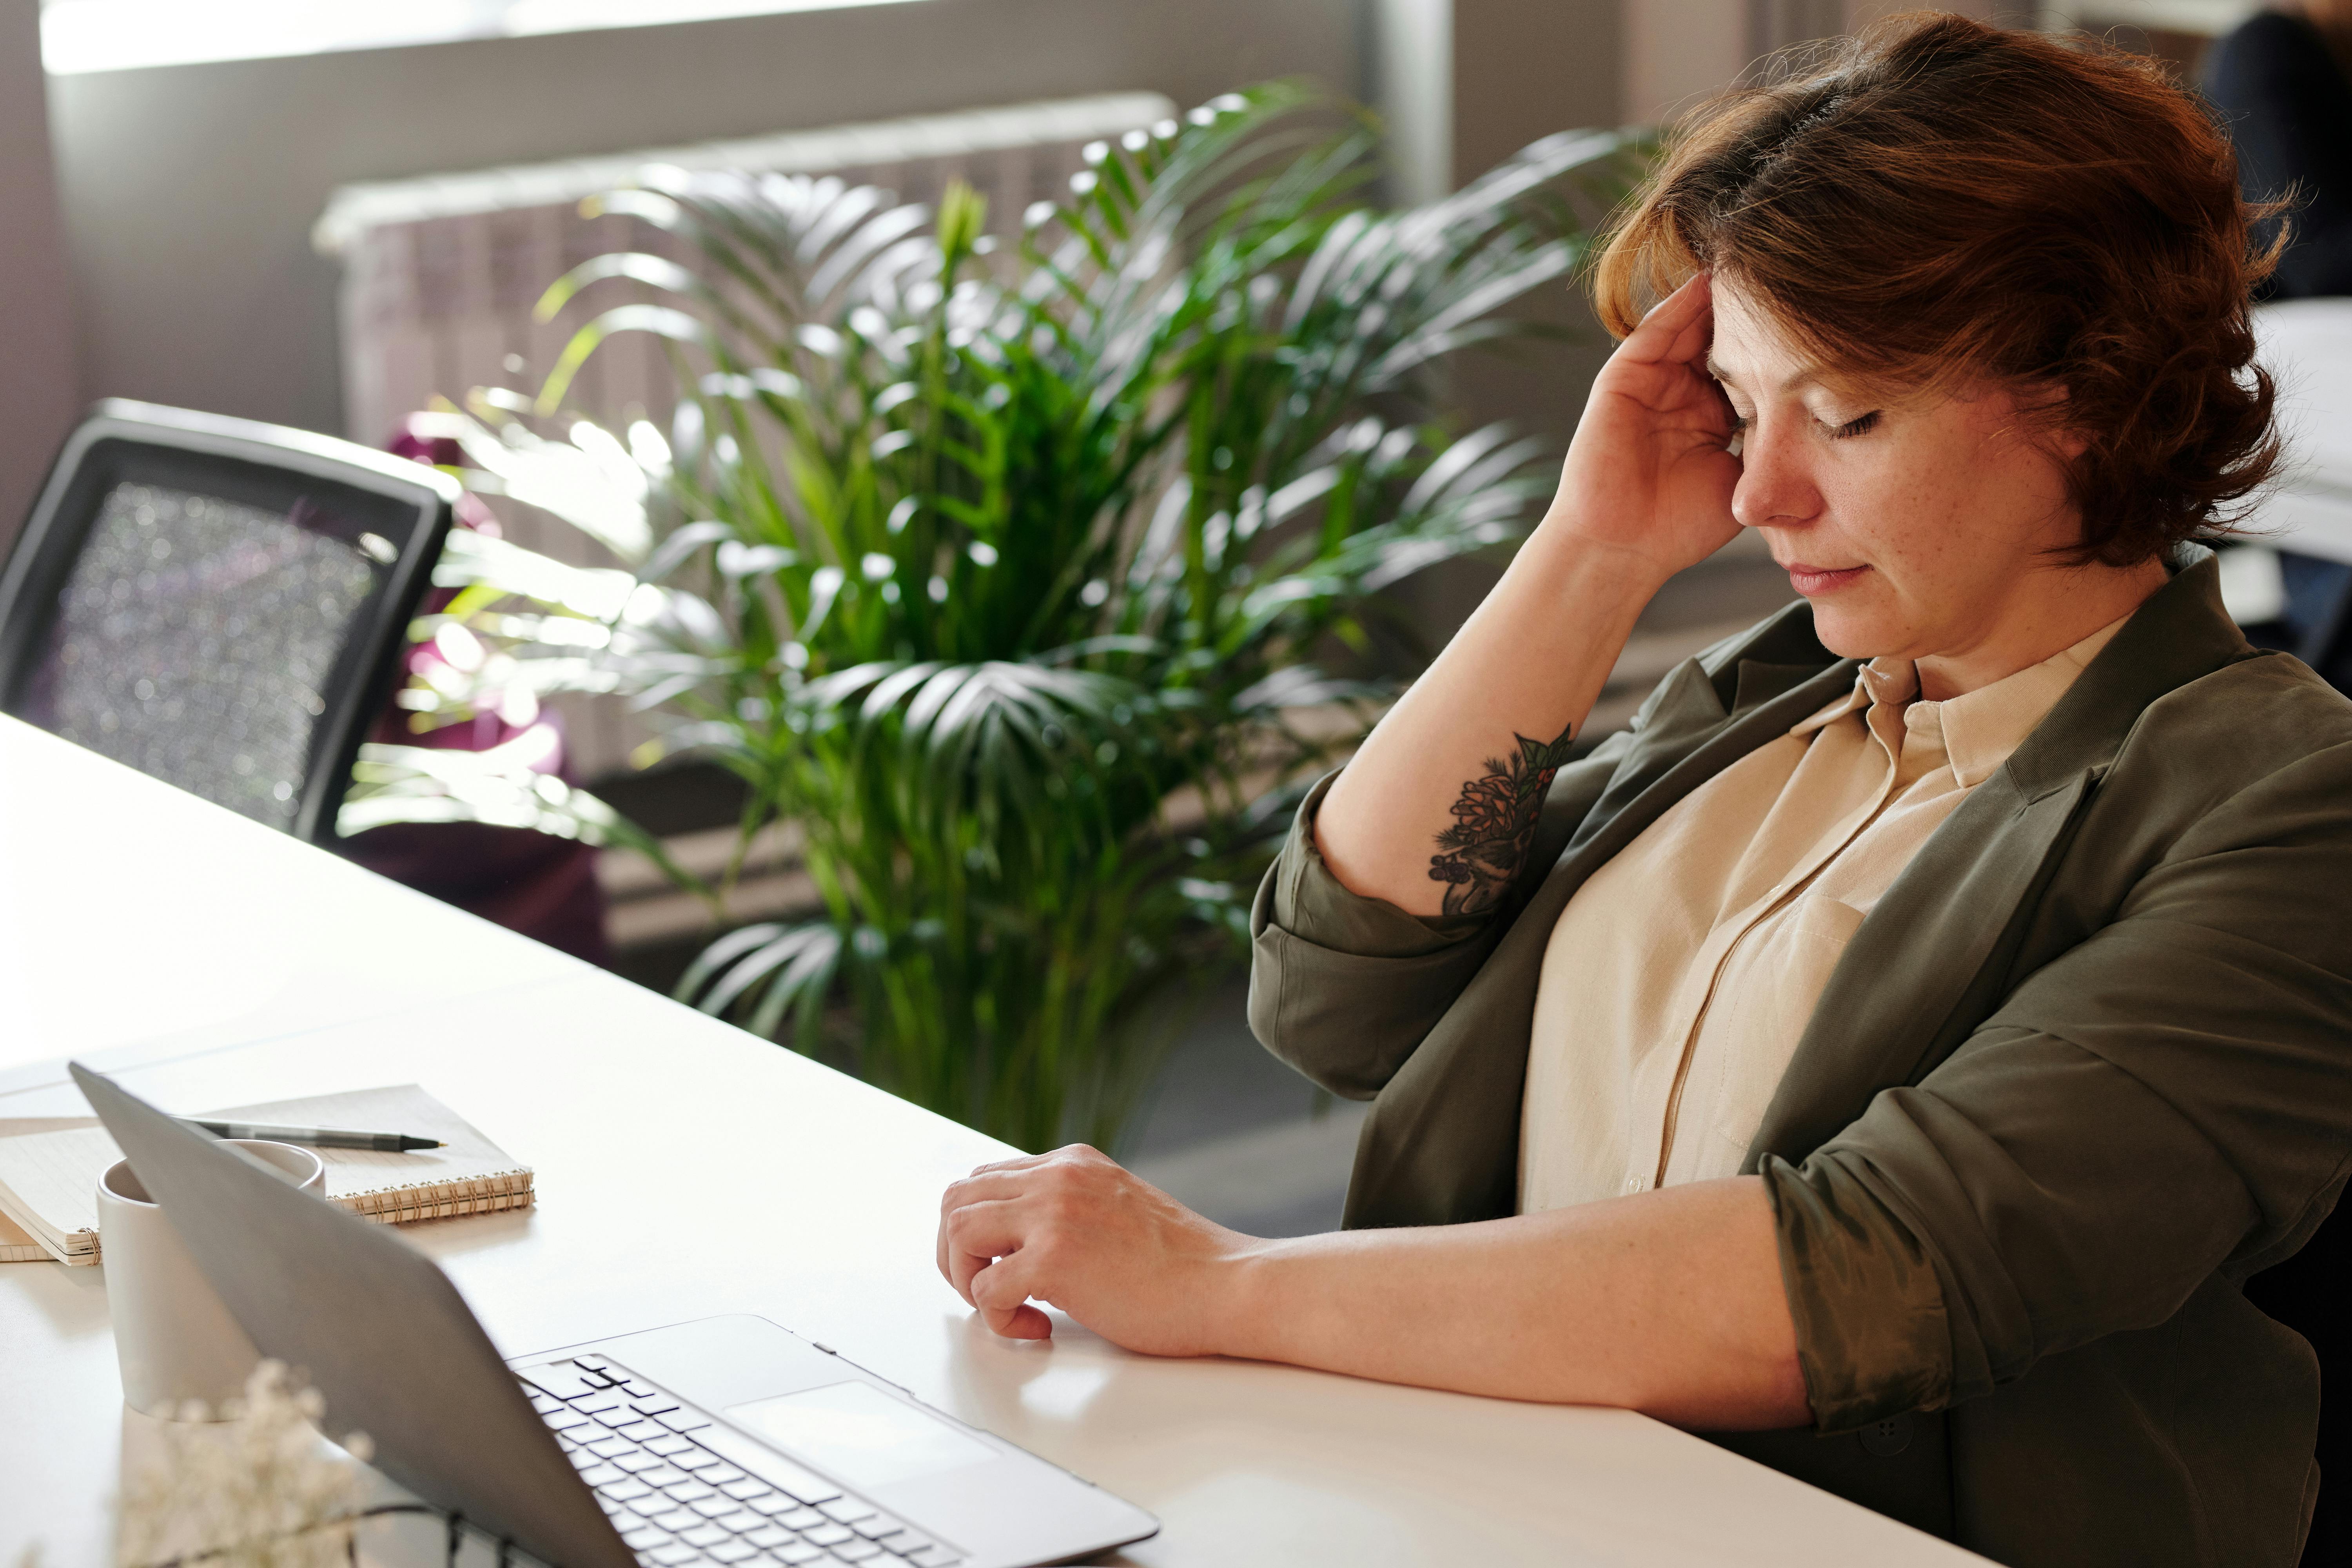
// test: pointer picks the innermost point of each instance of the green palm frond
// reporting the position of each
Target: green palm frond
(1005, 567)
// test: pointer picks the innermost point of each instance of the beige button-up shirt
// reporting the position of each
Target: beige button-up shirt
(1681, 976)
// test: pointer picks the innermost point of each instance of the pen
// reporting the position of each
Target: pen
(318, 1137)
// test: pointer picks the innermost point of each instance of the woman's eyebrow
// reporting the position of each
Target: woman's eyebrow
(1805, 376)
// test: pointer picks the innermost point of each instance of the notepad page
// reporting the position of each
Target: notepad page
(470, 1175)
(49, 1185)
(48, 1180)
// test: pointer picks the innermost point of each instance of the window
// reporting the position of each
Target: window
(116, 35)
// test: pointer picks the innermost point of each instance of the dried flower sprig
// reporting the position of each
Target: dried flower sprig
(260, 1490)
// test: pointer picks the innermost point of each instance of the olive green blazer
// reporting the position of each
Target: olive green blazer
(2086, 1067)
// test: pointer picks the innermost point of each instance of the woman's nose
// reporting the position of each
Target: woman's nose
(1776, 482)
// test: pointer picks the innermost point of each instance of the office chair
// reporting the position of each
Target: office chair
(218, 603)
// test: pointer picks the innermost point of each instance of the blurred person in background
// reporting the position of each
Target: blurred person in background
(2283, 82)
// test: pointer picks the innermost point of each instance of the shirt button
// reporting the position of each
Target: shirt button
(1632, 1183)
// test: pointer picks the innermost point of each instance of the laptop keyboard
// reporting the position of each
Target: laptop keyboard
(685, 1491)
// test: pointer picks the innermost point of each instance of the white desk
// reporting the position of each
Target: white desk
(2307, 345)
(688, 1169)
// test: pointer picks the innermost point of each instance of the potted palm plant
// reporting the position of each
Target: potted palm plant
(1011, 575)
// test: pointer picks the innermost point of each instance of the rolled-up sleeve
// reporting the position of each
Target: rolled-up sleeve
(1343, 987)
(2171, 1097)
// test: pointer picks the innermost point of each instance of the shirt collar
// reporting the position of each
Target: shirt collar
(1982, 727)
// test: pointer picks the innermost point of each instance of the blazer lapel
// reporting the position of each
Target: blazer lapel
(1934, 957)
(1893, 1004)
(1441, 1143)
(1682, 735)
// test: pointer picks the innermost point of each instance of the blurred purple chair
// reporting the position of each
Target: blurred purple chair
(534, 883)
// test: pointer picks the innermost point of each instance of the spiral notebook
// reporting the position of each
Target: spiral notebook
(49, 1176)
(17, 1246)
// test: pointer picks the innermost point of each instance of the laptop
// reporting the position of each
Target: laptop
(726, 1441)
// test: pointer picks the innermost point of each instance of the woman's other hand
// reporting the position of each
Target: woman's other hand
(1074, 1229)
(1649, 472)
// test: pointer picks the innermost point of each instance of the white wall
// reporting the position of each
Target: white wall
(40, 385)
(189, 191)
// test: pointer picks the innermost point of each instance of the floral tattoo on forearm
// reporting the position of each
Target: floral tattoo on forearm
(1495, 826)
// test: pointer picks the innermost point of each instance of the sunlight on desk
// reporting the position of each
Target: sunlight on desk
(134, 914)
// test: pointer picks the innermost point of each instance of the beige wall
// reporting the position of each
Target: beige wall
(1525, 69)
(1522, 69)
(40, 386)
(1679, 51)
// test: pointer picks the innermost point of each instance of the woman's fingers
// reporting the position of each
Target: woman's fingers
(1677, 328)
(983, 1184)
(1001, 1292)
(984, 1254)
(976, 1235)
(987, 1184)
(1659, 371)
(997, 1179)
(1018, 1163)
(1073, 1229)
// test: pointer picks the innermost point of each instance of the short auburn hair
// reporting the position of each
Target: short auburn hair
(1936, 202)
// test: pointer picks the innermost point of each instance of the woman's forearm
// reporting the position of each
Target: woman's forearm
(1435, 811)
(1669, 1302)
(1459, 766)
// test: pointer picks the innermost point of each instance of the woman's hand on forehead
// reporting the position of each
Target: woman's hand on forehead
(1649, 472)
(1688, 314)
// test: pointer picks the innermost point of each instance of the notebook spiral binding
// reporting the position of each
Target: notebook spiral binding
(494, 1194)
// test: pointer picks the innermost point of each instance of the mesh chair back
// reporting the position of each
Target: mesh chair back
(218, 603)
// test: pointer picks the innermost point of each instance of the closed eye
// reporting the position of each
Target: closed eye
(1856, 426)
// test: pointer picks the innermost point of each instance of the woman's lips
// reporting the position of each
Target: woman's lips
(1811, 580)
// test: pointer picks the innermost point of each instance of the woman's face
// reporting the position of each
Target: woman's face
(1917, 527)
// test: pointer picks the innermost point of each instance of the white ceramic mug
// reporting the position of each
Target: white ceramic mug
(174, 1337)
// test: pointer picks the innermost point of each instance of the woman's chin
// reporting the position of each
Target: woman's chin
(1852, 631)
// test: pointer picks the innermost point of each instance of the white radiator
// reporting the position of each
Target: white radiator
(440, 274)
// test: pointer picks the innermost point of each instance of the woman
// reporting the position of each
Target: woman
(1895, 1048)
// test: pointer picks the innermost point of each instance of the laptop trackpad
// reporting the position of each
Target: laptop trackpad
(860, 1433)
